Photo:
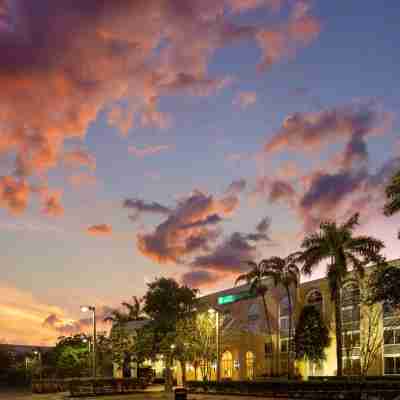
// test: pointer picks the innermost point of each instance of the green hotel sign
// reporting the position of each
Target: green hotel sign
(231, 298)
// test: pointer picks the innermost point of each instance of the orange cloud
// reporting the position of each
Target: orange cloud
(99, 230)
(52, 204)
(245, 99)
(77, 158)
(14, 194)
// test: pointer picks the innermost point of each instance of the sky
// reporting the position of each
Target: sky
(148, 138)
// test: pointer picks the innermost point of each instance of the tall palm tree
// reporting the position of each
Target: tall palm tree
(258, 285)
(336, 244)
(134, 313)
(392, 205)
(285, 272)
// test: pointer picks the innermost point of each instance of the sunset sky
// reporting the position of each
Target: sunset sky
(142, 138)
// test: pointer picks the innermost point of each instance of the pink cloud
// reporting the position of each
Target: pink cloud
(99, 230)
(82, 180)
(118, 52)
(14, 194)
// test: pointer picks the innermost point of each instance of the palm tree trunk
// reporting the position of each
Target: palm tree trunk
(290, 332)
(269, 331)
(338, 328)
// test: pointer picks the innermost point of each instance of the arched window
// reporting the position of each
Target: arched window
(227, 365)
(250, 362)
(314, 298)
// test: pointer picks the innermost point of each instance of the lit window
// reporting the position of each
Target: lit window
(227, 364)
(250, 362)
(392, 365)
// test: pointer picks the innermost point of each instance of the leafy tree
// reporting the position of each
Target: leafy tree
(285, 272)
(392, 205)
(196, 343)
(311, 336)
(384, 286)
(166, 303)
(336, 244)
(258, 285)
(71, 356)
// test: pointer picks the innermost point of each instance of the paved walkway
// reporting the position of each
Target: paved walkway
(148, 395)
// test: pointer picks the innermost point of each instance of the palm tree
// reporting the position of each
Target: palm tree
(134, 313)
(285, 272)
(337, 245)
(256, 279)
(392, 205)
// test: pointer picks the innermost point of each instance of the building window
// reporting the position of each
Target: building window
(351, 339)
(268, 348)
(391, 335)
(250, 362)
(351, 366)
(227, 364)
(284, 345)
(392, 365)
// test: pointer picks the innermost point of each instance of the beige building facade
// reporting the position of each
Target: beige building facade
(371, 335)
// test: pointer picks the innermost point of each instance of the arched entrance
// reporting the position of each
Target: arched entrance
(226, 365)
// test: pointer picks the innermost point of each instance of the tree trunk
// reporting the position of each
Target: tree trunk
(338, 328)
(270, 333)
(290, 332)
(183, 368)
(168, 375)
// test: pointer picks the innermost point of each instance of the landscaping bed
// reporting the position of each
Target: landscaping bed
(319, 389)
(89, 386)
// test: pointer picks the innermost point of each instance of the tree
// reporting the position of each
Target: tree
(312, 336)
(134, 313)
(5, 359)
(285, 272)
(71, 356)
(384, 286)
(196, 343)
(336, 244)
(372, 340)
(392, 205)
(166, 303)
(256, 278)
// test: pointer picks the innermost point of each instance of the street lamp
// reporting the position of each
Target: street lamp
(213, 311)
(93, 310)
(39, 355)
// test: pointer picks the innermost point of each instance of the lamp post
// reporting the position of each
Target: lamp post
(39, 355)
(93, 310)
(213, 311)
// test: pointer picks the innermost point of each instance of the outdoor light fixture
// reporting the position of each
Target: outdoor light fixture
(172, 346)
(87, 308)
